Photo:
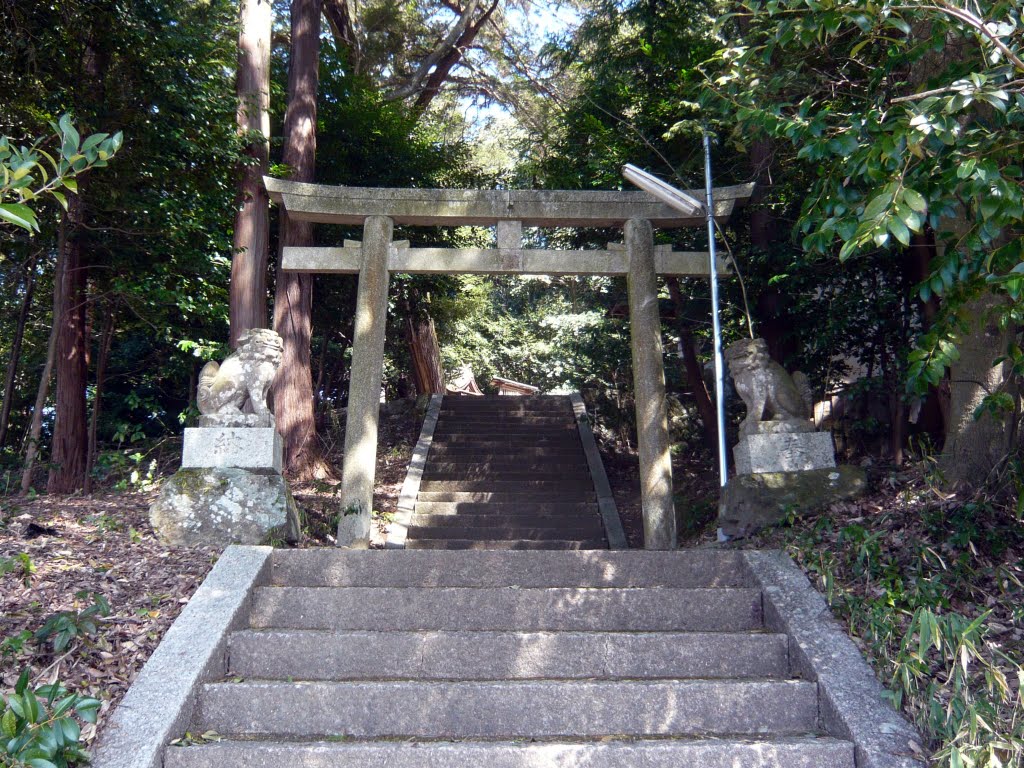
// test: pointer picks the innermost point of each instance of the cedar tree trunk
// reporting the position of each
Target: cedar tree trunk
(70, 442)
(293, 298)
(248, 295)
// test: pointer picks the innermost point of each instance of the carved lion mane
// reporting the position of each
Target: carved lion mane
(776, 401)
(234, 393)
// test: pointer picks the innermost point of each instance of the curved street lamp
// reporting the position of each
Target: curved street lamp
(690, 206)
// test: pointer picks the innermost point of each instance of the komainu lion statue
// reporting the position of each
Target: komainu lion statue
(234, 393)
(776, 401)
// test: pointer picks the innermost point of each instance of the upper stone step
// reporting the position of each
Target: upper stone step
(580, 488)
(530, 709)
(476, 452)
(509, 419)
(456, 509)
(541, 496)
(331, 567)
(516, 544)
(491, 531)
(318, 655)
(472, 520)
(503, 443)
(576, 475)
(502, 608)
(796, 752)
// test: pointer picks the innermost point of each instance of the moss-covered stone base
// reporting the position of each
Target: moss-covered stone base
(212, 507)
(753, 502)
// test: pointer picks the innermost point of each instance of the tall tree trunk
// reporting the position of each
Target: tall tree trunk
(975, 446)
(694, 372)
(70, 441)
(106, 340)
(43, 390)
(19, 335)
(773, 322)
(293, 298)
(248, 294)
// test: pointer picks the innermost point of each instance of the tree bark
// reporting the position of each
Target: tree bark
(425, 354)
(19, 336)
(293, 298)
(437, 78)
(43, 390)
(248, 293)
(106, 340)
(70, 442)
(975, 446)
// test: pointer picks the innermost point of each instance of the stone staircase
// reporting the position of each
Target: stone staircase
(506, 473)
(509, 659)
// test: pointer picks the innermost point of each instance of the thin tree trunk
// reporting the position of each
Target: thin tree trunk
(19, 335)
(293, 298)
(425, 354)
(43, 391)
(694, 372)
(248, 293)
(975, 446)
(70, 432)
(106, 340)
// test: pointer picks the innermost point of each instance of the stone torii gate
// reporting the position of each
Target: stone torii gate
(377, 256)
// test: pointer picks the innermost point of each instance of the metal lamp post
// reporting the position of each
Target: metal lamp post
(689, 205)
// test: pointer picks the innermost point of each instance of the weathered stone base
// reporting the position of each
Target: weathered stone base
(257, 449)
(224, 506)
(753, 502)
(784, 452)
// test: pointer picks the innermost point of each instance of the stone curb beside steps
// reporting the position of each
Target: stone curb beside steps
(851, 700)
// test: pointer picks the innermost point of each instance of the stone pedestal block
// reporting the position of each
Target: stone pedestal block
(753, 502)
(784, 452)
(217, 507)
(256, 449)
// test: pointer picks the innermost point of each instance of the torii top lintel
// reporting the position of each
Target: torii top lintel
(325, 204)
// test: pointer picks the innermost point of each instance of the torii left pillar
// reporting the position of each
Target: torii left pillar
(360, 462)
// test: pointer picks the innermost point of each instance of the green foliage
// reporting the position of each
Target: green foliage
(64, 627)
(39, 727)
(32, 172)
(915, 598)
(19, 563)
(909, 120)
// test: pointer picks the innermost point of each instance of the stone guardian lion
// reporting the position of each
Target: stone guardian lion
(776, 401)
(234, 393)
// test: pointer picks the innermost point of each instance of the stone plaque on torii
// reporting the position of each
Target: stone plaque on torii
(373, 259)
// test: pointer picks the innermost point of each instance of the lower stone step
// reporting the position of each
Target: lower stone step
(530, 709)
(318, 655)
(512, 544)
(718, 753)
(334, 567)
(581, 609)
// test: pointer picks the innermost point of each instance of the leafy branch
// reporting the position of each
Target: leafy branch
(28, 173)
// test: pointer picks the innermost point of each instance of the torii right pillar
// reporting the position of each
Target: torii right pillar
(649, 388)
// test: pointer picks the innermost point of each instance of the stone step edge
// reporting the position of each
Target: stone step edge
(608, 752)
(508, 709)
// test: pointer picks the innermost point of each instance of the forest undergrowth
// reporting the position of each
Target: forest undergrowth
(930, 586)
